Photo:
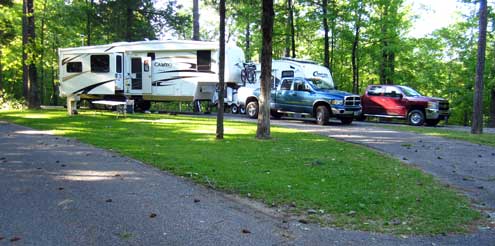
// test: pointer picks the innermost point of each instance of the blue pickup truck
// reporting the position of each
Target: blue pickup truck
(309, 97)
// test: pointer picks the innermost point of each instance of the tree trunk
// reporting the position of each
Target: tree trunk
(491, 122)
(332, 40)
(248, 42)
(355, 43)
(1, 69)
(263, 130)
(477, 124)
(28, 48)
(129, 20)
(292, 29)
(326, 52)
(221, 72)
(42, 55)
(288, 29)
(88, 22)
(195, 20)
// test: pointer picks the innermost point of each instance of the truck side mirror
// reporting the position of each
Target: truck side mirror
(400, 96)
(307, 87)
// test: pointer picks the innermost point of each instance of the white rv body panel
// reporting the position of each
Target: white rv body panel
(153, 70)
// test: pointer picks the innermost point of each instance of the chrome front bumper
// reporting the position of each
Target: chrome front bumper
(344, 112)
(433, 114)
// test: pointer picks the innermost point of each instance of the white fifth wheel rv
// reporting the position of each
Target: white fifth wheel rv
(283, 68)
(145, 71)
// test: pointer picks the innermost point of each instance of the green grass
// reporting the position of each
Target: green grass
(485, 138)
(312, 171)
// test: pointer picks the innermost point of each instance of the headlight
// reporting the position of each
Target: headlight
(336, 102)
(433, 105)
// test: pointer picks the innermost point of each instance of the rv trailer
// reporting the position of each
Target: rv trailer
(173, 70)
(284, 68)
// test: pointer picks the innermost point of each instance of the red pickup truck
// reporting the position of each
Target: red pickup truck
(396, 101)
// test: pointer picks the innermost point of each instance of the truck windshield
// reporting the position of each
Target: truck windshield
(320, 84)
(409, 92)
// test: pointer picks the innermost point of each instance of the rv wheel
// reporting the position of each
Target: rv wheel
(234, 109)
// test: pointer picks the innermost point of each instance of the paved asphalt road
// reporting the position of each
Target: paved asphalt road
(57, 191)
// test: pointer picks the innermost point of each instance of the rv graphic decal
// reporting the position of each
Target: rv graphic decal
(87, 89)
(69, 59)
(109, 48)
(318, 74)
(73, 76)
(181, 71)
(163, 82)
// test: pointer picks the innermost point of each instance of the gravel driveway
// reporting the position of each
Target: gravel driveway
(57, 191)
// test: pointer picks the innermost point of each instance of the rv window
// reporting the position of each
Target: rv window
(286, 74)
(100, 63)
(152, 55)
(74, 67)
(286, 84)
(119, 64)
(204, 60)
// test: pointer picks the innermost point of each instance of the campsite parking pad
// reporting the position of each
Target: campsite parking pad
(57, 191)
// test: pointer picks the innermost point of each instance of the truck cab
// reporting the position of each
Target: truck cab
(396, 101)
(310, 97)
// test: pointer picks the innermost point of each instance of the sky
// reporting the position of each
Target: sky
(435, 14)
(431, 14)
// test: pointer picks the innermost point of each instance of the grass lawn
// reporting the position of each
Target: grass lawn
(356, 187)
(485, 138)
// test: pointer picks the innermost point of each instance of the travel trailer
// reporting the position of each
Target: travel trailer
(145, 71)
(283, 68)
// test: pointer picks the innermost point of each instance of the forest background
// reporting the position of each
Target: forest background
(361, 41)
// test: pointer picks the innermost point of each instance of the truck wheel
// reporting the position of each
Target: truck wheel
(234, 109)
(416, 117)
(242, 110)
(361, 117)
(346, 120)
(432, 122)
(275, 114)
(252, 109)
(322, 115)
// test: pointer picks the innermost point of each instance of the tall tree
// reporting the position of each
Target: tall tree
(263, 129)
(88, 21)
(355, 44)
(7, 33)
(477, 124)
(221, 72)
(491, 122)
(326, 44)
(196, 19)
(290, 40)
(28, 56)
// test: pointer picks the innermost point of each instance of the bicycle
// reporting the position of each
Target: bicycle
(248, 73)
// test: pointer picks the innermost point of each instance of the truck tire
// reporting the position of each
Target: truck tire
(432, 122)
(322, 115)
(252, 109)
(346, 120)
(275, 114)
(416, 117)
(234, 109)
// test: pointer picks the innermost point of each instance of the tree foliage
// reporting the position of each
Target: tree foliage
(362, 41)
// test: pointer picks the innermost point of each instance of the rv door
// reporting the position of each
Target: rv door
(140, 75)
(119, 71)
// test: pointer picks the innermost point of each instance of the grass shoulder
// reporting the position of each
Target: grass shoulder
(347, 185)
(485, 138)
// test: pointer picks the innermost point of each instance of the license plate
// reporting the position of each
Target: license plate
(357, 113)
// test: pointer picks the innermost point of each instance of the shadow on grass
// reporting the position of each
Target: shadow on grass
(360, 188)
